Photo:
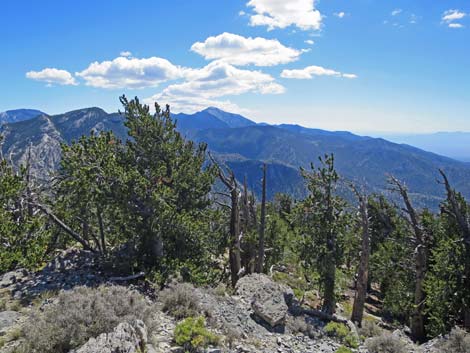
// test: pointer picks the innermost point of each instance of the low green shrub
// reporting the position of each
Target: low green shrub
(336, 329)
(343, 349)
(80, 314)
(342, 333)
(192, 334)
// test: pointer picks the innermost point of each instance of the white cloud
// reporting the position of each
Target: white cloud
(218, 79)
(309, 42)
(396, 12)
(340, 14)
(238, 50)
(53, 76)
(125, 72)
(125, 53)
(311, 71)
(450, 16)
(242, 13)
(285, 13)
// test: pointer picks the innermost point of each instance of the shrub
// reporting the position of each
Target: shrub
(458, 342)
(386, 344)
(351, 341)
(336, 329)
(343, 349)
(342, 333)
(180, 301)
(370, 329)
(192, 334)
(80, 314)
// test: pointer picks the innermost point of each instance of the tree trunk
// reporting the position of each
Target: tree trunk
(417, 317)
(329, 303)
(262, 227)
(363, 272)
(102, 235)
(235, 246)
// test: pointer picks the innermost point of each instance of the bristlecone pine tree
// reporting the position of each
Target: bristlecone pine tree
(321, 222)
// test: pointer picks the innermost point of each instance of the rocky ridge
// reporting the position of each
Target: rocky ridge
(261, 316)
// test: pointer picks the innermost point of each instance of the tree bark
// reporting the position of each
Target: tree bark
(363, 272)
(262, 227)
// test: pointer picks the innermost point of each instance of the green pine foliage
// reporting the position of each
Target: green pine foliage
(24, 234)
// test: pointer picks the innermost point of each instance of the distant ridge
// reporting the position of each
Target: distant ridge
(17, 115)
(244, 146)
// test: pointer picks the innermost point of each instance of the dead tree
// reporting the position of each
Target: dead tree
(262, 226)
(420, 254)
(457, 211)
(363, 271)
(231, 184)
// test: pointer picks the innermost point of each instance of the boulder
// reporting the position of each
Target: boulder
(269, 300)
(10, 278)
(126, 338)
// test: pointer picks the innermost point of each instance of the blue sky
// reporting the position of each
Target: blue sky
(359, 65)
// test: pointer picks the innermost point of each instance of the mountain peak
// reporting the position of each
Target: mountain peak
(231, 119)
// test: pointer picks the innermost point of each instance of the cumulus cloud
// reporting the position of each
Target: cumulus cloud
(285, 13)
(218, 79)
(238, 50)
(124, 72)
(311, 71)
(340, 14)
(125, 53)
(309, 42)
(53, 76)
(396, 12)
(450, 16)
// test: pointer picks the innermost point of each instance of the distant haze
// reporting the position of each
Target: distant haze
(451, 144)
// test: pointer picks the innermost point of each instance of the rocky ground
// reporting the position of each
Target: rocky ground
(260, 316)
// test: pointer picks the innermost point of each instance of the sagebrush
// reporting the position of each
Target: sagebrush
(80, 314)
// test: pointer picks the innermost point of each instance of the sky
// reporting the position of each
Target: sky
(367, 66)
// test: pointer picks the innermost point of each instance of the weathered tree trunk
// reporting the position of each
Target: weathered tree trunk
(363, 272)
(463, 223)
(329, 302)
(262, 228)
(248, 223)
(417, 317)
(235, 235)
(235, 246)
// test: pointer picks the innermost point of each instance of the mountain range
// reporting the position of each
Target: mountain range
(244, 146)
